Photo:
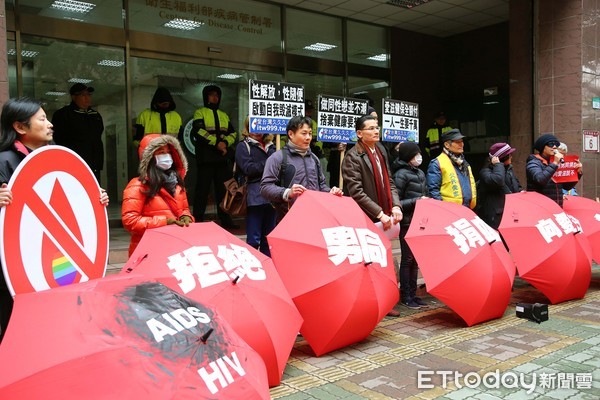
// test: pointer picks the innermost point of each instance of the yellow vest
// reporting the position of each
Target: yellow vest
(209, 133)
(434, 136)
(451, 190)
(150, 120)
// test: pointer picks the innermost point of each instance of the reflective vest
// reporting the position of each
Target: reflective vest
(433, 136)
(209, 133)
(150, 120)
(451, 189)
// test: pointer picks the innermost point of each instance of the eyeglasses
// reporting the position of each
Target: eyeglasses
(370, 128)
(553, 144)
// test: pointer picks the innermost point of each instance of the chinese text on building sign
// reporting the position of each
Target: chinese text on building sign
(555, 228)
(272, 104)
(337, 118)
(400, 121)
(358, 246)
(200, 264)
(471, 234)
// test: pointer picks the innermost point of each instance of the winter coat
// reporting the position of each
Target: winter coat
(158, 120)
(304, 170)
(250, 158)
(495, 182)
(411, 185)
(139, 212)
(359, 180)
(10, 160)
(434, 181)
(80, 131)
(212, 126)
(539, 178)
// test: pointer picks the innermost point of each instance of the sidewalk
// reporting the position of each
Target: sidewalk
(562, 353)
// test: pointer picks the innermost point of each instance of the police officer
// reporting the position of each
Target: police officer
(215, 144)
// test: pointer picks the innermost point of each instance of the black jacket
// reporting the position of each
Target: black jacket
(495, 182)
(539, 179)
(411, 184)
(81, 131)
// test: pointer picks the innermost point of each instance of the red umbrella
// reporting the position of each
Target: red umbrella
(124, 338)
(547, 247)
(338, 268)
(210, 265)
(587, 213)
(463, 261)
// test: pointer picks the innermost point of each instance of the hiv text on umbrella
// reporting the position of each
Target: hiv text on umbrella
(174, 322)
(200, 264)
(358, 245)
(470, 234)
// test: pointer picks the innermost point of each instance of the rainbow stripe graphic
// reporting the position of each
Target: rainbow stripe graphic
(63, 271)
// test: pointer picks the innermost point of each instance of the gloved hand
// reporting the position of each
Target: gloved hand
(171, 221)
(186, 220)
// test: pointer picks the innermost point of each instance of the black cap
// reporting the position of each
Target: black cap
(408, 150)
(309, 105)
(440, 115)
(80, 87)
(453, 134)
(543, 140)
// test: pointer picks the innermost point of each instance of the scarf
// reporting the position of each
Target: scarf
(384, 192)
(292, 146)
(169, 181)
(459, 160)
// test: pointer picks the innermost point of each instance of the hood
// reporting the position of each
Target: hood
(162, 94)
(206, 91)
(151, 143)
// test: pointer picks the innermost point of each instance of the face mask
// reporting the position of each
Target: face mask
(416, 161)
(164, 161)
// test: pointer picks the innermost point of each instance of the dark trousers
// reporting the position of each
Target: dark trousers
(207, 174)
(260, 221)
(409, 269)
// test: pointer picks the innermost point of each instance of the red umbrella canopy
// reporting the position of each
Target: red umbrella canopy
(463, 261)
(548, 247)
(337, 266)
(212, 266)
(120, 337)
(587, 213)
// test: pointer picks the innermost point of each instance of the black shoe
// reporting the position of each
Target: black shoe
(411, 304)
(420, 302)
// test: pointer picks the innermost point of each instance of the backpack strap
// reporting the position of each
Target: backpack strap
(283, 167)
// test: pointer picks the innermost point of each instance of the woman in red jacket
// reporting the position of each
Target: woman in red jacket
(157, 197)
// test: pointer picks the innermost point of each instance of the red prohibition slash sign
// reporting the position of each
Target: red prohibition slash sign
(55, 232)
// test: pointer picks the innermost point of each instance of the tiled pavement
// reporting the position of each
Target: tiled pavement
(561, 354)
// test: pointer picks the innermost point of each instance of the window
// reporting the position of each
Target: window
(236, 22)
(367, 44)
(97, 12)
(313, 35)
(50, 67)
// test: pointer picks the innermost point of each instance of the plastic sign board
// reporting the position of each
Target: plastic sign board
(566, 171)
(55, 232)
(591, 141)
(337, 118)
(272, 104)
(400, 121)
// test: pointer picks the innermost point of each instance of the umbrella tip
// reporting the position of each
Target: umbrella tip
(235, 280)
(204, 337)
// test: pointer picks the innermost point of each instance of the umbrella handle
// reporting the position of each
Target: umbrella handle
(136, 262)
